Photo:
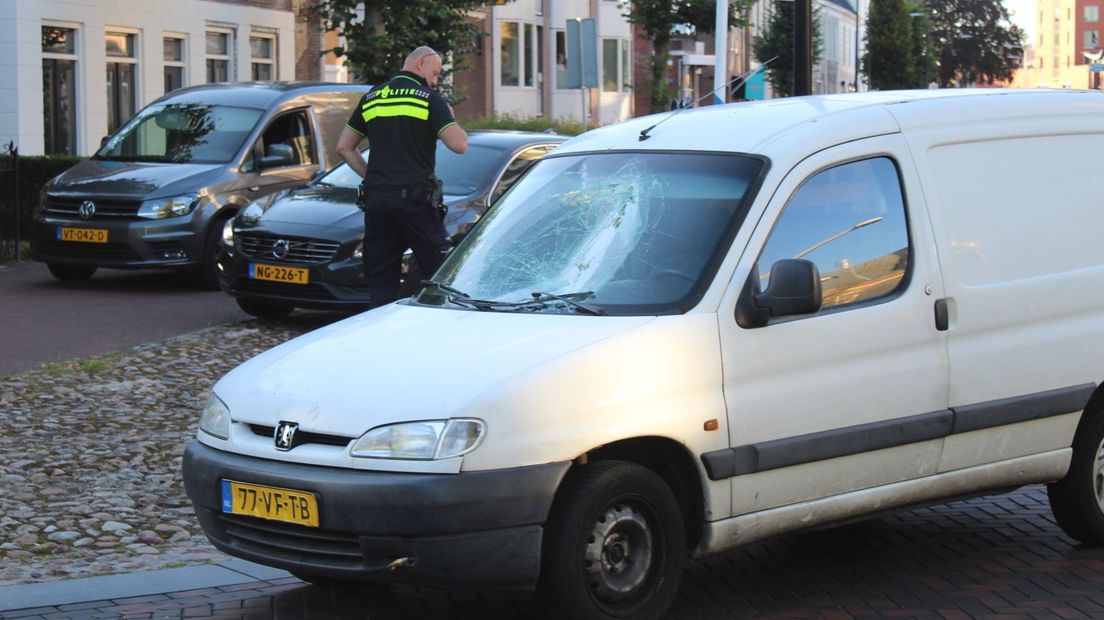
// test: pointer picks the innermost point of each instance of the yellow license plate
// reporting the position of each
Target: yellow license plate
(275, 273)
(84, 235)
(272, 503)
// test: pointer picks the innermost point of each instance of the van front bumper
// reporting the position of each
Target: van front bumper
(175, 243)
(467, 530)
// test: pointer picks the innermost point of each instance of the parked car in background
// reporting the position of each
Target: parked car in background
(158, 191)
(302, 249)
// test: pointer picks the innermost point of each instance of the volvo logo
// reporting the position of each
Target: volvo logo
(280, 248)
(285, 435)
(87, 210)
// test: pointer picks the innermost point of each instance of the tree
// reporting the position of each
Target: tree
(777, 39)
(923, 56)
(380, 33)
(659, 18)
(888, 62)
(974, 41)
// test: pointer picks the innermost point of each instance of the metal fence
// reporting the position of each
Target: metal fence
(10, 239)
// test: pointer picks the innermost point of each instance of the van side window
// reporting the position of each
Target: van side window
(850, 221)
(291, 129)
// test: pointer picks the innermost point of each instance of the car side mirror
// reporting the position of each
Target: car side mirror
(278, 155)
(794, 290)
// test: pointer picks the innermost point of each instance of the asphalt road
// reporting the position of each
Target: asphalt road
(43, 320)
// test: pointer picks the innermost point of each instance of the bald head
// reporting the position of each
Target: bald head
(425, 63)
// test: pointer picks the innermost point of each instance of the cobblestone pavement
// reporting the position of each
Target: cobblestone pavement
(90, 462)
(997, 558)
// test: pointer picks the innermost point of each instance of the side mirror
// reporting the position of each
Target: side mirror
(794, 290)
(278, 155)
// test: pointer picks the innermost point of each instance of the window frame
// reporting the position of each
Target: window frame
(75, 141)
(622, 52)
(228, 57)
(271, 62)
(134, 38)
(181, 64)
(906, 278)
(527, 51)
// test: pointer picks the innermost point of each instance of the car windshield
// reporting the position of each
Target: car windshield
(628, 233)
(460, 174)
(182, 133)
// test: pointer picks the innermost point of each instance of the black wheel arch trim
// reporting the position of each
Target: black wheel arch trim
(822, 445)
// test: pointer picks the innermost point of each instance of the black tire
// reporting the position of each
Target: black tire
(1077, 500)
(614, 546)
(263, 309)
(71, 273)
(208, 275)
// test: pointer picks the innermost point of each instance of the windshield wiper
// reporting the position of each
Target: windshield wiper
(544, 298)
(458, 297)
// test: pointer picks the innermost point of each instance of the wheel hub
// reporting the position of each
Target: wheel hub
(618, 553)
(1098, 475)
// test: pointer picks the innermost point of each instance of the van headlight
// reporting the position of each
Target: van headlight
(427, 440)
(215, 420)
(174, 206)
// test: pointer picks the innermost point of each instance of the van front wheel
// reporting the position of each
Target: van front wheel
(615, 544)
(1077, 500)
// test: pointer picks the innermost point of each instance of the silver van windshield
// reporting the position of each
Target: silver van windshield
(182, 133)
(628, 233)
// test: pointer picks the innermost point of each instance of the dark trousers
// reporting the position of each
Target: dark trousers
(391, 226)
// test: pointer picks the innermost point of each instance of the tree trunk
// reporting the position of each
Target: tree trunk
(661, 96)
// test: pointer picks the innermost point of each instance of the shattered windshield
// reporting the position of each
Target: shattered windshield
(182, 133)
(621, 233)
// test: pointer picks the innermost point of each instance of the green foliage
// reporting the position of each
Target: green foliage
(974, 41)
(520, 123)
(898, 52)
(777, 39)
(34, 172)
(379, 41)
(659, 19)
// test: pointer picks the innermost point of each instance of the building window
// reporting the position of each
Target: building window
(561, 59)
(509, 48)
(262, 51)
(121, 71)
(59, 90)
(174, 63)
(219, 45)
(1092, 14)
(615, 65)
(1092, 39)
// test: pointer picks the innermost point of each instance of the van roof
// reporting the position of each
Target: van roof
(255, 94)
(819, 121)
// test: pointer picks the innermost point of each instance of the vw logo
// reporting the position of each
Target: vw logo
(285, 435)
(280, 248)
(87, 210)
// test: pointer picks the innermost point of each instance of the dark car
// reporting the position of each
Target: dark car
(157, 193)
(302, 249)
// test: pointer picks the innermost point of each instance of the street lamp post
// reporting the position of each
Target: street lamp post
(826, 241)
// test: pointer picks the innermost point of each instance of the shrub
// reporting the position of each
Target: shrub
(34, 171)
(520, 123)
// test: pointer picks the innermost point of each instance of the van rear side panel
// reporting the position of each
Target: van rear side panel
(1015, 204)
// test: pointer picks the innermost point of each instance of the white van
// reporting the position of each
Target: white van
(692, 331)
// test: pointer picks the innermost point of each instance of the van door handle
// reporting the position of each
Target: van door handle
(942, 315)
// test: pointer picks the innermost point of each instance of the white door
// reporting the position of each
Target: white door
(853, 396)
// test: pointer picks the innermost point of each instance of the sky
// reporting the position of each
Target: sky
(1023, 15)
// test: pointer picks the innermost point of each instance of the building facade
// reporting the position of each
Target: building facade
(522, 71)
(72, 71)
(1067, 40)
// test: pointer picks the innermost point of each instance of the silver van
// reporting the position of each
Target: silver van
(158, 191)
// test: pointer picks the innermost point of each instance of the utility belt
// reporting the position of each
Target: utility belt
(429, 193)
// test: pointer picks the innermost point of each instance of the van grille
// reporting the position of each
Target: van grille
(291, 542)
(105, 210)
(299, 250)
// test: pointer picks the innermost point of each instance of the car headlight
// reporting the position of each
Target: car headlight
(427, 440)
(215, 420)
(358, 251)
(228, 233)
(174, 206)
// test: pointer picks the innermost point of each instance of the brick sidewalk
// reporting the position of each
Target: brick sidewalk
(993, 558)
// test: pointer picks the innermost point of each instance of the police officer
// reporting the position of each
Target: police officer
(402, 119)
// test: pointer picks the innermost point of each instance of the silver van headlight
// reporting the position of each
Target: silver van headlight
(173, 206)
(215, 420)
(426, 440)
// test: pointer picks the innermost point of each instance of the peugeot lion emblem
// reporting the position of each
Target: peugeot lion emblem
(87, 210)
(285, 435)
(280, 248)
